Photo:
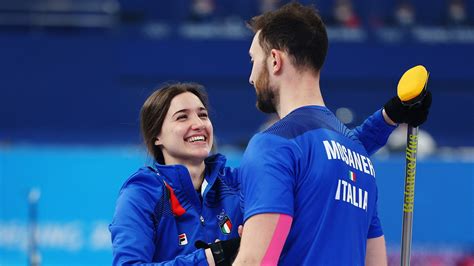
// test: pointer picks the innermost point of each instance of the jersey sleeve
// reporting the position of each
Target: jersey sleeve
(374, 132)
(132, 227)
(268, 172)
(375, 227)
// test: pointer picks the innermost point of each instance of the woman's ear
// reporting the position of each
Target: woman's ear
(158, 141)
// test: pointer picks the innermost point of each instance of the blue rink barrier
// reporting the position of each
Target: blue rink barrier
(79, 186)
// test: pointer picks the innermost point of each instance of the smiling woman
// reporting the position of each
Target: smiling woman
(172, 105)
(186, 137)
(187, 196)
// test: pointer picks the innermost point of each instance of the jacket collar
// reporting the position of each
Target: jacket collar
(177, 176)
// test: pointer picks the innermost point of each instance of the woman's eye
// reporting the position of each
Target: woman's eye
(181, 117)
(203, 115)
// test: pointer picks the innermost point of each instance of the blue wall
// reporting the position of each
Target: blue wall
(89, 87)
(79, 186)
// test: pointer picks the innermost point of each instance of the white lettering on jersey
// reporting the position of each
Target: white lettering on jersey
(343, 158)
(366, 197)
(372, 171)
(337, 151)
(331, 151)
(354, 192)
(344, 183)
(357, 162)
(364, 163)
(350, 195)
(338, 194)
(351, 160)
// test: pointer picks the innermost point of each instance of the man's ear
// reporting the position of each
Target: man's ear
(277, 62)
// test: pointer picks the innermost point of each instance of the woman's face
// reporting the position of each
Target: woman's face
(187, 133)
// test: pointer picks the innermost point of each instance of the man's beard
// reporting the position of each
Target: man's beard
(266, 97)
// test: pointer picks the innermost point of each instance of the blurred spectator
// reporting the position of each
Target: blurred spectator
(344, 15)
(398, 140)
(268, 5)
(468, 260)
(456, 13)
(202, 11)
(404, 15)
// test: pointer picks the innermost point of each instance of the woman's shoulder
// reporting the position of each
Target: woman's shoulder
(138, 197)
(145, 178)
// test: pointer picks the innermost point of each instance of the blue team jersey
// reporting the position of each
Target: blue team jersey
(145, 230)
(310, 166)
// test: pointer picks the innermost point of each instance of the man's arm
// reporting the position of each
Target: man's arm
(376, 254)
(268, 171)
(263, 238)
(376, 129)
(373, 133)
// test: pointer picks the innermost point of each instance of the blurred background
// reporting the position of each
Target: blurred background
(74, 74)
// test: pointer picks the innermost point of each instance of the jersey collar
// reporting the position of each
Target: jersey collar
(177, 176)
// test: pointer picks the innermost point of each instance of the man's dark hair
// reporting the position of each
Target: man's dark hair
(296, 29)
(156, 107)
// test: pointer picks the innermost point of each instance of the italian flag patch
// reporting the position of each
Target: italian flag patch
(226, 225)
(352, 176)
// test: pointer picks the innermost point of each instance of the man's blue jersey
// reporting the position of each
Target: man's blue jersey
(310, 166)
